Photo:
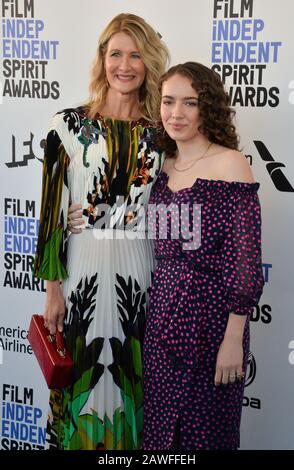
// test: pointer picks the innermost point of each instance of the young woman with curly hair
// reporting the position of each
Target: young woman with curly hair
(207, 279)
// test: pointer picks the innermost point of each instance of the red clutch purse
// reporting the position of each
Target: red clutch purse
(54, 360)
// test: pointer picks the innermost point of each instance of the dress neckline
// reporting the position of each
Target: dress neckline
(211, 182)
(105, 119)
(133, 122)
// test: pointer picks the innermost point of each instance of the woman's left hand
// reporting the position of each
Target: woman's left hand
(229, 361)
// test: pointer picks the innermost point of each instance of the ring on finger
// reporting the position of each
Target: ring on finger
(240, 376)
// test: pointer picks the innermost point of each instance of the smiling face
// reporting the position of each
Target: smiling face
(179, 108)
(124, 67)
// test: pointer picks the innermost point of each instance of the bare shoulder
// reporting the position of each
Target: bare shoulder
(233, 166)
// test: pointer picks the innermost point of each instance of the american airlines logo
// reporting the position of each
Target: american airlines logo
(274, 168)
(251, 370)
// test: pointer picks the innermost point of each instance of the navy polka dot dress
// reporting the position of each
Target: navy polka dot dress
(193, 293)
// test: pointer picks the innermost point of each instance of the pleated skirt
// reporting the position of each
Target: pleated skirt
(106, 297)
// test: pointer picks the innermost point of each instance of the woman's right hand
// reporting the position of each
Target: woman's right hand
(74, 218)
(54, 308)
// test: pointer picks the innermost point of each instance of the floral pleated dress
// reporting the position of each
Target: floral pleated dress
(193, 293)
(109, 167)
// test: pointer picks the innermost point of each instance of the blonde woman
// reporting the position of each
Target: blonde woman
(102, 158)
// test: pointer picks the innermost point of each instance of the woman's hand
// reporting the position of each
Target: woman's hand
(54, 308)
(74, 218)
(229, 361)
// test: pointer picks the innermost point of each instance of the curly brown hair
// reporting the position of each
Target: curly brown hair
(214, 107)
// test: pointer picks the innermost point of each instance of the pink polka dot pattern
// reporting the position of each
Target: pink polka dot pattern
(192, 295)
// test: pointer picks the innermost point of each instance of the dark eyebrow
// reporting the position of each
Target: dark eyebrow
(185, 97)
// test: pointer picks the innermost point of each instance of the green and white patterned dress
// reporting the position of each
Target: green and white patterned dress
(105, 277)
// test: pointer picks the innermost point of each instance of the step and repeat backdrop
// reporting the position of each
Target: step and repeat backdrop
(46, 51)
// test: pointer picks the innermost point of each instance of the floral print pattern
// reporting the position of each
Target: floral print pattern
(97, 162)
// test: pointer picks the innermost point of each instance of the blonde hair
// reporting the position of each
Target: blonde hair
(155, 56)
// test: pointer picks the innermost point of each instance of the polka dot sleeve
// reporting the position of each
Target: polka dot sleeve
(241, 251)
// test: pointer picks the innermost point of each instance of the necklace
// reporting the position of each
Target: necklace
(188, 168)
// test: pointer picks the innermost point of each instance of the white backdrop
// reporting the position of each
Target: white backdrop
(46, 49)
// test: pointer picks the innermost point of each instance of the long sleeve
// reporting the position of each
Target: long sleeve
(50, 260)
(241, 251)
